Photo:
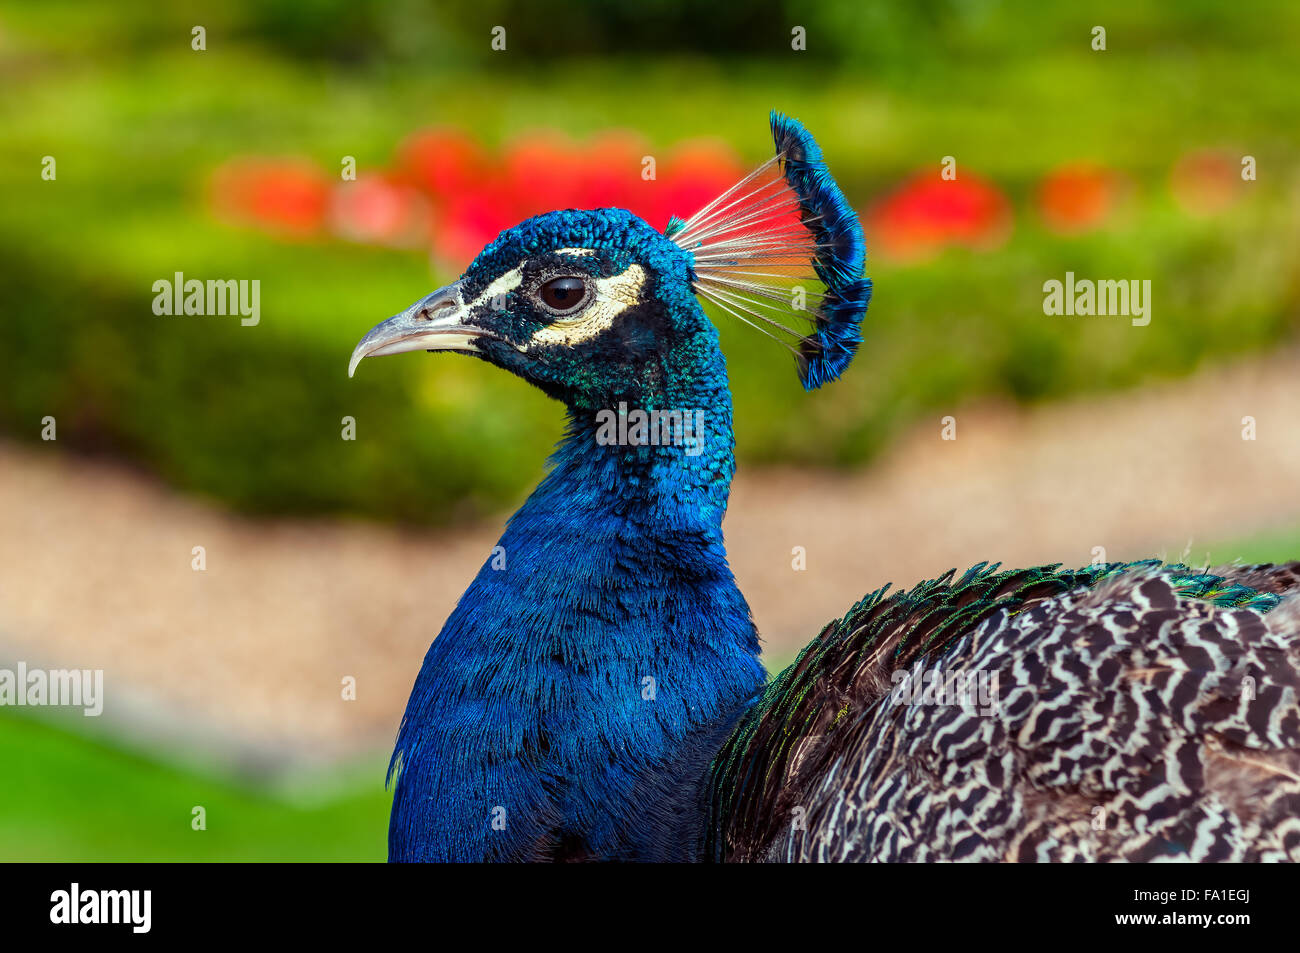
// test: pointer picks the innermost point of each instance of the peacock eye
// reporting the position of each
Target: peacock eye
(563, 295)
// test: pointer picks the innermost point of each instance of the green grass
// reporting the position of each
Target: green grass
(70, 797)
(1280, 546)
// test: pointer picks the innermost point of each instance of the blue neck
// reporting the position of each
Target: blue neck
(579, 689)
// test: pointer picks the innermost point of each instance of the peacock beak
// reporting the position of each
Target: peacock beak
(435, 323)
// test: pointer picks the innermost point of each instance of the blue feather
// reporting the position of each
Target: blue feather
(572, 702)
(841, 254)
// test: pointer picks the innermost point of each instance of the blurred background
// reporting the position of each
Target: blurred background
(327, 559)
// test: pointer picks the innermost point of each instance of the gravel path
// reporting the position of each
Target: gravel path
(249, 656)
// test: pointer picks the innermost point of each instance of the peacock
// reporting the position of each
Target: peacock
(597, 692)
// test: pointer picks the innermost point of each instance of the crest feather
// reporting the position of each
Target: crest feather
(784, 243)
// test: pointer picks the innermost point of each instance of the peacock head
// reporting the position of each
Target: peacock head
(596, 307)
(588, 305)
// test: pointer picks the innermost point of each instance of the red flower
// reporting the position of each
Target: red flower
(379, 210)
(695, 174)
(927, 213)
(1206, 181)
(1079, 196)
(543, 171)
(611, 172)
(469, 220)
(442, 162)
(446, 190)
(281, 195)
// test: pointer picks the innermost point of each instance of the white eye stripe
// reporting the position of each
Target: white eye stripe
(614, 295)
(578, 252)
(504, 285)
(623, 289)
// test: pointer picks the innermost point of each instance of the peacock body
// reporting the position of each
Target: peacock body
(597, 695)
(1141, 712)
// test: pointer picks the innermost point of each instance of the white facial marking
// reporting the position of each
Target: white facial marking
(503, 285)
(580, 252)
(614, 295)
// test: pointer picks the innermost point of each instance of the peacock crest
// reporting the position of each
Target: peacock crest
(781, 245)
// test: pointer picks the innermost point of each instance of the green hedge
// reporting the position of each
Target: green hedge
(252, 416)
